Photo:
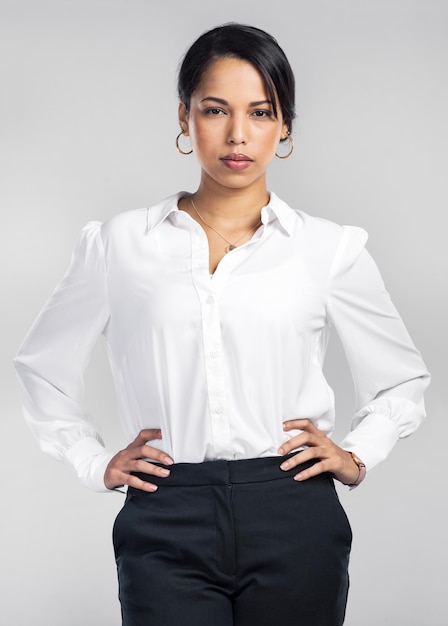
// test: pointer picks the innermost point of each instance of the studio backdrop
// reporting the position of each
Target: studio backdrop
(88, 120)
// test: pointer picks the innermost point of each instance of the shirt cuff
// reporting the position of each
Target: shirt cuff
(372, 440)
(90, 459)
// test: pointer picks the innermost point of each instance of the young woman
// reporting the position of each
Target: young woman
(216, 307)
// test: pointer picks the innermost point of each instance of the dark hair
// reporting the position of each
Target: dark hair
(249, 44)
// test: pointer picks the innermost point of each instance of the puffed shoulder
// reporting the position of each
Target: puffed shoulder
(89, 249)
(90, 230)
(351, 244)
(89, 236)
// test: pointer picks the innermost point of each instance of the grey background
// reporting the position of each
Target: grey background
(88, 117)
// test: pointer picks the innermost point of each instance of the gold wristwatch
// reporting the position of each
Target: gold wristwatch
(361, 467)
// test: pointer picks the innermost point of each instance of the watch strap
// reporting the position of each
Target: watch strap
(361, 467)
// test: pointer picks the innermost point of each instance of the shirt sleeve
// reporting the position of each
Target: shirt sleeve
(389, 374)
(53, 356)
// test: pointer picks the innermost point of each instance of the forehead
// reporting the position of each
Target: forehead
(231, 76)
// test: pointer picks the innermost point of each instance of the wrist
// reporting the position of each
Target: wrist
(361, 470)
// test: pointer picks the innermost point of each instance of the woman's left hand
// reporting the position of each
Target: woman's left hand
(331, 457)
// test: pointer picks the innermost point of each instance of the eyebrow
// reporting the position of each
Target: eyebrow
(224, 102)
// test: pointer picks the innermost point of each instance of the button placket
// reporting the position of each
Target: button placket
(212, 350)
(211, 326)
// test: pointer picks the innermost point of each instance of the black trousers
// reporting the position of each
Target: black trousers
(233, 543)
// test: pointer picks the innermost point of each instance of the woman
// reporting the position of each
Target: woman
(216, 307)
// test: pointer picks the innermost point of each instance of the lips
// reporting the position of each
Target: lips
(236, 157)
(236, 162)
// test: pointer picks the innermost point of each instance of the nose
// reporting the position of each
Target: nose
(237, 140)
(237, 133)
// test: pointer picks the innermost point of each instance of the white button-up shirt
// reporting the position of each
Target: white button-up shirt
(218, 363)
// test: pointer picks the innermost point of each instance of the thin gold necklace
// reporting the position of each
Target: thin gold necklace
(231, 246)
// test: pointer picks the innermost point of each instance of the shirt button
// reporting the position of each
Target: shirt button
(210, 300)
(218, 409)
(214, 354)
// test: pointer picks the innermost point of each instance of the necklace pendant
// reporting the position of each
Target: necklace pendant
(229, 248)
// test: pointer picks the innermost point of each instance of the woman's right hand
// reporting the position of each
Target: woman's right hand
(120, 468)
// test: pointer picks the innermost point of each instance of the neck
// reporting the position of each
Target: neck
(234, 204)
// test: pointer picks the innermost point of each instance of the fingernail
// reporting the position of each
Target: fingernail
(298, 478)
(284, 466)
(168, 461)
(281, 451)
(153, 487)
(164, 472)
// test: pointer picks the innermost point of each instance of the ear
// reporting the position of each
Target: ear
(183, 118)
(285, 131)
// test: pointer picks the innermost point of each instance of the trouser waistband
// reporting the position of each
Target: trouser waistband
(226, 472)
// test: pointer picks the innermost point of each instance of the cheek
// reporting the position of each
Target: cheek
(201, 139)
(270, 145)
(269, 136)
(199, 125)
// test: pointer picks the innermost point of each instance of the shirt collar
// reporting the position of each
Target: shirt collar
(158, 213)
(276, 209)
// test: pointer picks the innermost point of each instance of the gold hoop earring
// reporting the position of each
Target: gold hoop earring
(291, 148)
(179, 149)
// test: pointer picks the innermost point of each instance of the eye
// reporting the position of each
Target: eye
(260, 113)
(214, 111)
